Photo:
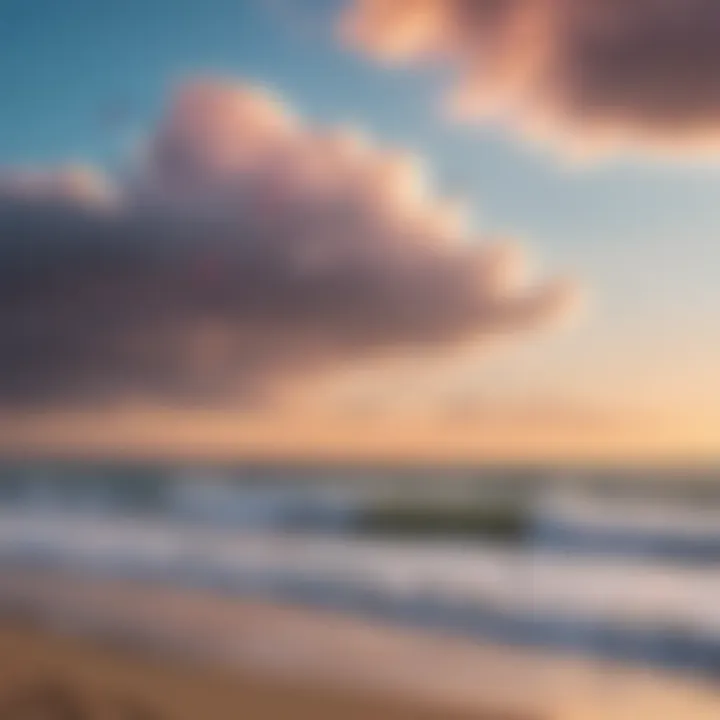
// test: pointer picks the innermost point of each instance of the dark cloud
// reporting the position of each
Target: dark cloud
(585, 72)
(245, 249)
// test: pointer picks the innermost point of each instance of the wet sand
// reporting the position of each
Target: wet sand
(72, 648)
(47, 676)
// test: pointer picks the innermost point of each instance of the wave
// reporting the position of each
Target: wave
(652, 612)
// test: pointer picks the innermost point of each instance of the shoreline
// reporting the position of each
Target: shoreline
(201, 633)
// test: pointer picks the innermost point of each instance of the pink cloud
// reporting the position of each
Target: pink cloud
(585, 73)
(247, 248)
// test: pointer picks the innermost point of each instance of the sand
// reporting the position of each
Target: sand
(98, 649)
(46, 676)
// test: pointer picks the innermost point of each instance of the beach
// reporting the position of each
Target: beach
(49, 675)
(178, 650)
(173, 653)
(84, 650)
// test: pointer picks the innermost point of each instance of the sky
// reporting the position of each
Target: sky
(231, 310)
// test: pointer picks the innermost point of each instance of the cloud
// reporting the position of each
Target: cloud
(244, 250)
(587, 73)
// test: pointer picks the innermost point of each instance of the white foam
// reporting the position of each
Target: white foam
(621, 591)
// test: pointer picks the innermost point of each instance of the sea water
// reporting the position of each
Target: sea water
(634, 578)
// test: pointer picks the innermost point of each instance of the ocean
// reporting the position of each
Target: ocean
(616, 567)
